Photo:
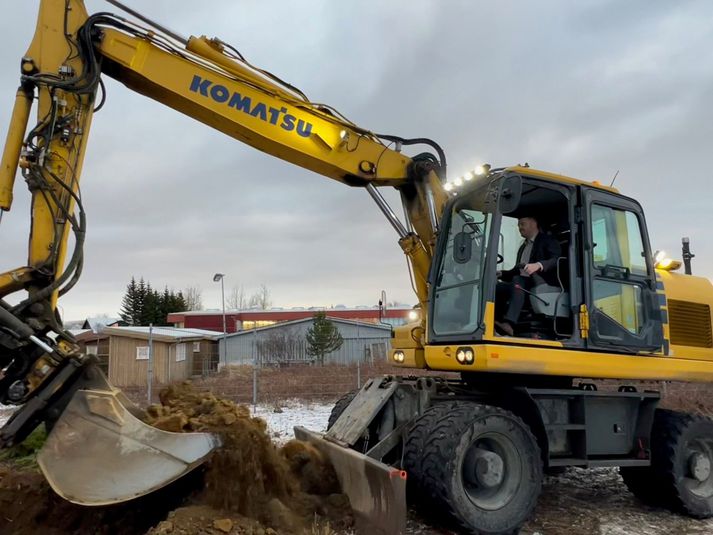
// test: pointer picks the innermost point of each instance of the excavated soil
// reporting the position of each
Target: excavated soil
(249, 486)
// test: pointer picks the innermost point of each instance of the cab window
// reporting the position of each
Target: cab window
(617, 240)
(620, 269)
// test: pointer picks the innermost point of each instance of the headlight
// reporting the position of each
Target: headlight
(465, 355)
(399, 356)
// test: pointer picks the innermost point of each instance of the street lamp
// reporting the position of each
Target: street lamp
(219, 277)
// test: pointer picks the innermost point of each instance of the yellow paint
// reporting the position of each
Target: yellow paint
(167, 78)
(63, 159)
(413, 358)
(571, 363)
(13, 146)
(562, 179)
(490, 335)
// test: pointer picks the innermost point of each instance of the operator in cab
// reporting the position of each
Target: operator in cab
(536, 263)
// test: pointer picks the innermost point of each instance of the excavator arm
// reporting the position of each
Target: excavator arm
(42, 370)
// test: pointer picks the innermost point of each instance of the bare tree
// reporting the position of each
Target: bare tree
(282, 347)
(237, 300)
(193, 298)
(261, 298)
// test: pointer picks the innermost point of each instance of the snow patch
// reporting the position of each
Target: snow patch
(311, 415)
(5, 413)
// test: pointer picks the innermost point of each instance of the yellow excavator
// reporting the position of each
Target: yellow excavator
(471, 444)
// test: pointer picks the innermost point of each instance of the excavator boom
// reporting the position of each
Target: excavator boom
(95, 430)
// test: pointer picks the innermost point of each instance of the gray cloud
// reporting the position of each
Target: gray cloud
(584, 89)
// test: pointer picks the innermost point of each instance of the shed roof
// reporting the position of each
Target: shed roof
(283, 324)
(165, 334)
(327, 310)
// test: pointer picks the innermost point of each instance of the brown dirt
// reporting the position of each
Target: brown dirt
(247, 486)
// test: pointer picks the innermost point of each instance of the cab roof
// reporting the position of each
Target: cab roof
(562, 179)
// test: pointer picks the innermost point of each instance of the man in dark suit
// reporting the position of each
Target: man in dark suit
(536, 258)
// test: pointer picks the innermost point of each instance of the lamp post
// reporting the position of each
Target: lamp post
(219, 277)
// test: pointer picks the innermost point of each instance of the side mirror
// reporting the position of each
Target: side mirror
(462, 247)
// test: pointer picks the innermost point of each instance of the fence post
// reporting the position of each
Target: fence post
(150, 365)
(254, 388)
(255, 365)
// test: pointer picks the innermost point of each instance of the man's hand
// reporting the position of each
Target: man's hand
(530, 269)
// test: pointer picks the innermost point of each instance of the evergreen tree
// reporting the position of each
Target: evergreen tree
(151, 312)
(140, 302)
(165, 307)
(129, 305)
(142, 305)
(180, 304)
(323, 337)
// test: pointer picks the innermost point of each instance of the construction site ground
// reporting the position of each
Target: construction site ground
(573, 502)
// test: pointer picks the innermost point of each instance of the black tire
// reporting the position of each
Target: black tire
(340, 406)
(641, 482)
(682, 459)
(414, 451)
(460, 467)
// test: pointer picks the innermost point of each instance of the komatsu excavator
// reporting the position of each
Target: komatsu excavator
(473, 444)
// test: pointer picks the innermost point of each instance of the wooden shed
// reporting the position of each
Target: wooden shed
(177, 353)
(97, 344)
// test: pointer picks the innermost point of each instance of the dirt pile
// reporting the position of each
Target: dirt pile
(29, 506)
(284, 489)
(249, 486)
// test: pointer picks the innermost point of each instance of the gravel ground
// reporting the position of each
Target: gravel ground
(586, 502)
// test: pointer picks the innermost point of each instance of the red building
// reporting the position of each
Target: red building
(242, 320)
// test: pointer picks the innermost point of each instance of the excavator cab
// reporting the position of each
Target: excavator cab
(603, 281)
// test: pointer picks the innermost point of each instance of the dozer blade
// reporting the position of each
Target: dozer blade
(377, 492)
(99, 453)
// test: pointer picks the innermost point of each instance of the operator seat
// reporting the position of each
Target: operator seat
(550, 301)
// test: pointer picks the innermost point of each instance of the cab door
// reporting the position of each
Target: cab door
(620, 283)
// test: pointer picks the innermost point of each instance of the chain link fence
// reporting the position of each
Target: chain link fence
(269, 384)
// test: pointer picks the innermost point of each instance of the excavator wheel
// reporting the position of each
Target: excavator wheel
(339, 407)
(416, 487)
(682, 461)
(483, 466)
(641, 482)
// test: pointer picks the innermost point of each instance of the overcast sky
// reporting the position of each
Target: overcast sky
(583, 88)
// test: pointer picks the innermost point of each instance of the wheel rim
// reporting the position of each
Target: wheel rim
(698, 473)
(491, 471)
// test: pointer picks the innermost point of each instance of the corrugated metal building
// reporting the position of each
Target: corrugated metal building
(285, 343)
(246, 320)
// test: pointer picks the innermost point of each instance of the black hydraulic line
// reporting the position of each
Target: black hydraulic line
(421, 141)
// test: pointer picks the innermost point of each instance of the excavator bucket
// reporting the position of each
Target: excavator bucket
(377, 492)
(99, 453)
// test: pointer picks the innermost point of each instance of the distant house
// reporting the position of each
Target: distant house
(97, 323)
(246, 320)
(285, 343)
(178, 354)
